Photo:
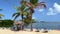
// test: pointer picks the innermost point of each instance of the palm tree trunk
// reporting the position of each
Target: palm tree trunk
(23, 21)
(31, 12)
(31, 23)
(22, 17)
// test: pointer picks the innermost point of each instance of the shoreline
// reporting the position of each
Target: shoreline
(8, 31)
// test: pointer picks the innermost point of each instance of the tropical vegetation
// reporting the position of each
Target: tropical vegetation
(1, 15)
(33, 4)
(25, 10)
(6, 23)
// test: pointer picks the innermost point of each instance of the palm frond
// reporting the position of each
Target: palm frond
(1, 9)
(25, 13)
(41, 4)
(22, 7)
(23, 2)
(27, 9)
(1, 15)
(14, 14)
(16, 7)
(34, 1)
(28, 4)
(31, 10)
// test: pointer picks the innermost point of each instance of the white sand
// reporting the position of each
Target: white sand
(8, 31)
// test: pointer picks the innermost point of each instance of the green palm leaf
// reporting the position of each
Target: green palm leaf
(27, 9)
(1, 15)
(25, 13)
(16, 7)
(0, 9)
(34, 1)
(15, 15)
(22, 7)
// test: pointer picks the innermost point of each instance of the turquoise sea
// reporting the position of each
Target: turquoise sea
(46, 25)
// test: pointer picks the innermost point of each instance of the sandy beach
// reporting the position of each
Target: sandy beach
(8, 31)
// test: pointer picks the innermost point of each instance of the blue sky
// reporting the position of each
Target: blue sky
(51, 13)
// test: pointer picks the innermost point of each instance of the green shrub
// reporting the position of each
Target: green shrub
(6, 23)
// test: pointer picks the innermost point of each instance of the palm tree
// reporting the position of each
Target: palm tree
(0, 9)
(33, 4)
(21, 12)
(1, 15)
(15, 15)
(27, 19)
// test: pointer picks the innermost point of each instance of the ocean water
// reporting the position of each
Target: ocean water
(46, 25)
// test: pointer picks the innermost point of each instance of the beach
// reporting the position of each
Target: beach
(8, 31)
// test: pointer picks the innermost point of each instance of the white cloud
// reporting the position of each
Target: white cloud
(55, 10)
(51, 12)
(40, 10)
(57, 7)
